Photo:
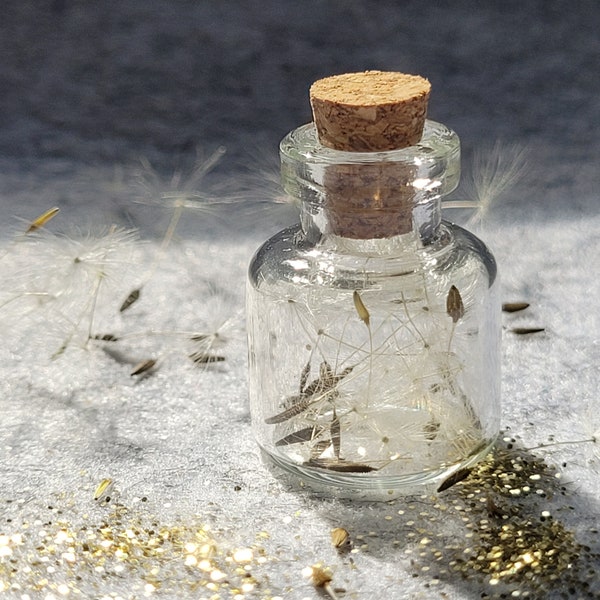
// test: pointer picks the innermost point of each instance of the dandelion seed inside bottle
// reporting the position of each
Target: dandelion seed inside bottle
(373, 324)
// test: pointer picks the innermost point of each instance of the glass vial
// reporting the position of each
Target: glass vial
(373, 324)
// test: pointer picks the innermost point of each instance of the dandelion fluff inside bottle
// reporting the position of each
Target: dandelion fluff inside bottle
(373, 325)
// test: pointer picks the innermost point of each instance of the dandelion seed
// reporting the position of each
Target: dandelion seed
(298, 407)
(202, 358)
(297, 437)
(454, 304)
(455, 309)
(527, 330)
(335, 433)
(361, 309)
(494, 172)
(318, 448)
(183, 189)
(339, 466)
(143, 367)
(104, 488)
(511, 307)
(455, 478)
(105, 337)
(74, 275)
(41, 221)
(133, 297)
(304, 376)
(365, 317)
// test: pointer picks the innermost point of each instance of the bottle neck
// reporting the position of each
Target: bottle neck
(372, 196)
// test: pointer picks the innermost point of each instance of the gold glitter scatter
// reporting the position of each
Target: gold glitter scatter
(513, 545)
(125, 552)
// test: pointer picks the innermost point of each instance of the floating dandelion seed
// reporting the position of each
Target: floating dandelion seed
(71, 277)
(41, 221)
(494, 172)
(133, 297)
(183, 189)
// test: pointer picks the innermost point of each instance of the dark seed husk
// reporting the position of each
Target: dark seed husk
(454, 479)
(297, 437)
(511, 307)
(339, 466)
(527, 330)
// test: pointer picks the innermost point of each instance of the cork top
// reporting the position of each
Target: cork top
(372, 111)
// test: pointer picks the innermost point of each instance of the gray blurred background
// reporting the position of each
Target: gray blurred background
(87, 86)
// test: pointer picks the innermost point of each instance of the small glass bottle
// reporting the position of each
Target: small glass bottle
(373, 325)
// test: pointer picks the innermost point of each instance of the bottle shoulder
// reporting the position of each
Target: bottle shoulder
(290, 256)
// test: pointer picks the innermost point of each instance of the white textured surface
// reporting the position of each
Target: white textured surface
(181, 438)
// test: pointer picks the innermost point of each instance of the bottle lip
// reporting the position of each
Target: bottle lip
(438, 142)
(434, 160)
(366, 195)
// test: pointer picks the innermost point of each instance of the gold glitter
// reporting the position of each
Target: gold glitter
(243, 555)
(57, 557)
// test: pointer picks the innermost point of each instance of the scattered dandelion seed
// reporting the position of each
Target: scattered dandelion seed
(511, 307)
(455, 478)
(133, 297)
(144, 366)
(203, 358)
(105, 337)
(527, 330)
(104, 488)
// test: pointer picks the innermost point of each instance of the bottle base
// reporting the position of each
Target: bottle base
(367, 486)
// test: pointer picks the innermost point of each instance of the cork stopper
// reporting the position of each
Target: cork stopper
(374, 111)
(370, 111)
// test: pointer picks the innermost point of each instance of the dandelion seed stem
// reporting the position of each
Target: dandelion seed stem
(592, 440)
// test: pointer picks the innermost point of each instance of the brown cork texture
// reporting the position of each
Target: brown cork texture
(371, 111)
(374, 111)
(369, 201)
